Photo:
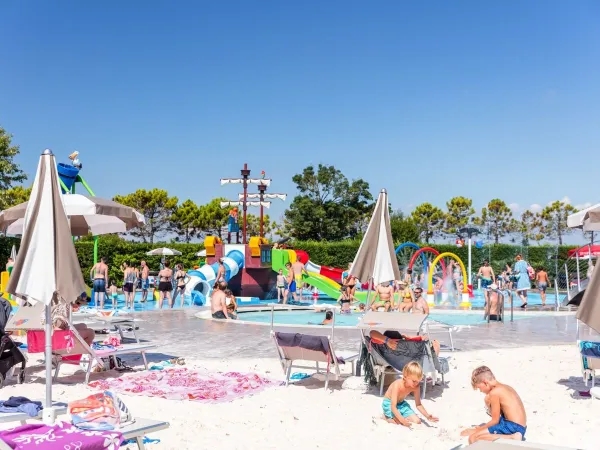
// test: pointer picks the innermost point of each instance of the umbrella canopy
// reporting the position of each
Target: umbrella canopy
(201, 253)
(13, 253)
(163, 251)
(592, 251)
(47, 268)
(87, 215)
(587, 219)
(589, 308)
(376, 258)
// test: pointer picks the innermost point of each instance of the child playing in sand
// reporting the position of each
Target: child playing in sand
(509, 419)
(395, 407)
(113, 293)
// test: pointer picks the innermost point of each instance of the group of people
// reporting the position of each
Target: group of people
(135, 278)
(223, 304)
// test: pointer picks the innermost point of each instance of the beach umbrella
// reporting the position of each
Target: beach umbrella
(13, 253)
(163, 251)
(201, 253)
(93, 215)
(47, 268)
(587, 219)
(376, 260)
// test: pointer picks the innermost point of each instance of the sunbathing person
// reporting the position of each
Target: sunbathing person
(385, 292)
(420, 305)
(61, 313)
(391, 339)
(406, 298)
(509, 420)
(395, 407)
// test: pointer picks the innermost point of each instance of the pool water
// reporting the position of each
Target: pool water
(149, 305)
(461, 318)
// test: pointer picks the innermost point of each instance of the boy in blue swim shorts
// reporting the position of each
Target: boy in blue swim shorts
(395, 407)
(509, 420)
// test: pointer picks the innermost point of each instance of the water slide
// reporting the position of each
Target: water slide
(316, 274)
(202, 280)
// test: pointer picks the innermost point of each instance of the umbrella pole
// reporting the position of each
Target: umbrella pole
(369, 282)
(48, 415)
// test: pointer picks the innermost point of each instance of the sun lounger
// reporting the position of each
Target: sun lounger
(140, 428)
(22, 418)
(406, 324)
(293, 347)
(122, 324)
(68, 346)
(507, 444)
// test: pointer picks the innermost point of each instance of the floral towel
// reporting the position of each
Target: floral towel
(63, 435)
(185, 384)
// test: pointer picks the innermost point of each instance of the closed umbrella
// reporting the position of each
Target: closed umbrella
(93, 215)
(376, 259)
(163, 251)
(47, 267)
(589, 308)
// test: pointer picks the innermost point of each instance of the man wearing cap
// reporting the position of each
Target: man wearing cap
(493, 304)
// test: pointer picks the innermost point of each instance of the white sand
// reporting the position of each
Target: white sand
(306, 416)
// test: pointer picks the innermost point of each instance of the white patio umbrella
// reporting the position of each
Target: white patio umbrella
(47, 268)
(93, 215)
(587, 219)
(13, 253)
(201, 253)
(163, 251)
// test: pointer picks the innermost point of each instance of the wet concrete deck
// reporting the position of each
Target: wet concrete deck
(179, 333)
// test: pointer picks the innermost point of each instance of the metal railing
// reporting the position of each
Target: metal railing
(573, 276)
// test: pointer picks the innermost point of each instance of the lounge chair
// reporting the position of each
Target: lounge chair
(292, 347)
(507, 444)
(22, 418)
(406, 324)
(68, 346)
(588, 343)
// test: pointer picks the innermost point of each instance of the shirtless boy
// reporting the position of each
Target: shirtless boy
(385, 292)
(145, 272)
(291, 282)
(509, 420)
(298, 270)
(542, 280)
(218, 303)
(486, 274)
(395, 407)
(493, 303)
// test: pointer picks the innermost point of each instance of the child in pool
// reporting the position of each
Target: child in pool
(509, 420)
(395, 407)
(113, 293)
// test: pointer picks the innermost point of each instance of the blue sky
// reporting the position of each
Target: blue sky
(427, 99)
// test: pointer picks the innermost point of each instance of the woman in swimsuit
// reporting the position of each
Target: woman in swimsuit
(182, 279)
(220, 273)
(350, 283)
(407, 297)
(165, 285)
(129, 280)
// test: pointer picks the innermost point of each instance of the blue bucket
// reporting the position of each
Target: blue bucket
(67, 174)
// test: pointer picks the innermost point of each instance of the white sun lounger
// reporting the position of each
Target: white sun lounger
(22, 418)
(29, 319)
(508, 444)
(140, 428)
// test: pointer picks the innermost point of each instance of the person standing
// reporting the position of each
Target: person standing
(9, 265)
(523, 282)
(165, 285)
(280, 286)
(182, 279)
(145, 274)
(99, 275)
(220, 273)
(291, 282)
(129, 280)
(542, 281)
(298, 270)
(487, 277)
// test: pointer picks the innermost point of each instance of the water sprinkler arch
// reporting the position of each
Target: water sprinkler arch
(412, 245)
(421, 251)
(462, 267)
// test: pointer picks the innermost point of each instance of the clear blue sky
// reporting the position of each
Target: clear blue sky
(427, 99)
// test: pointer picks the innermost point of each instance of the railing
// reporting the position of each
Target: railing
(573, 276)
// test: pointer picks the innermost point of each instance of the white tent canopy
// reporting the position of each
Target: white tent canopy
(585, 219)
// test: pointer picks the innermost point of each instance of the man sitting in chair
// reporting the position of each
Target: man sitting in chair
(61, 312)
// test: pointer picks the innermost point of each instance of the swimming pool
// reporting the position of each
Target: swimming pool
(149, 305)
(458, 318)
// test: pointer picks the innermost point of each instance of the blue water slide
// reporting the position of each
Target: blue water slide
(67, 174)
(202, 280)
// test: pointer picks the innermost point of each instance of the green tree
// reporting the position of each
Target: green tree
(213, 218)
(460, 213)
(10, 173)
(14, 196)
(185, 221)
(403, 228)
(156, 206)
(496, 218)
(529, 228)
(329, 207)
(429, 221)
(253, 225)
(554, 220)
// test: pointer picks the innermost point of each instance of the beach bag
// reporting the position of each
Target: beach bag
(531, 272)
(102, 411)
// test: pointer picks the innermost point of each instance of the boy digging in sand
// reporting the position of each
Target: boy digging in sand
(395, 407)
(509, 420)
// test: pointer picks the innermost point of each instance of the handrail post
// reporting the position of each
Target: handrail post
(578, 275)
(512, 309)
(556, 294)
(567, 280)
(272, 315)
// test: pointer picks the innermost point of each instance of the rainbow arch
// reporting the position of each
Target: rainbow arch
(465, 303)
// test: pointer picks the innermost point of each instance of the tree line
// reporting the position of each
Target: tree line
(328, 207)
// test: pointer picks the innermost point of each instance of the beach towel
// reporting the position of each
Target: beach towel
(102, 411)
(405, 352)
(62, 435)
(181, 383)
(305, 341)
(591, 349)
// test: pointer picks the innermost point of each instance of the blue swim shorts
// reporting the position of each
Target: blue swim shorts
(507, 427)
(99, 285)
(145, 284)
(403, 407)
(542, 287)
(292, 287)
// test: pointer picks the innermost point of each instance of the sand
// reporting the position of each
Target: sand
(305, 416)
